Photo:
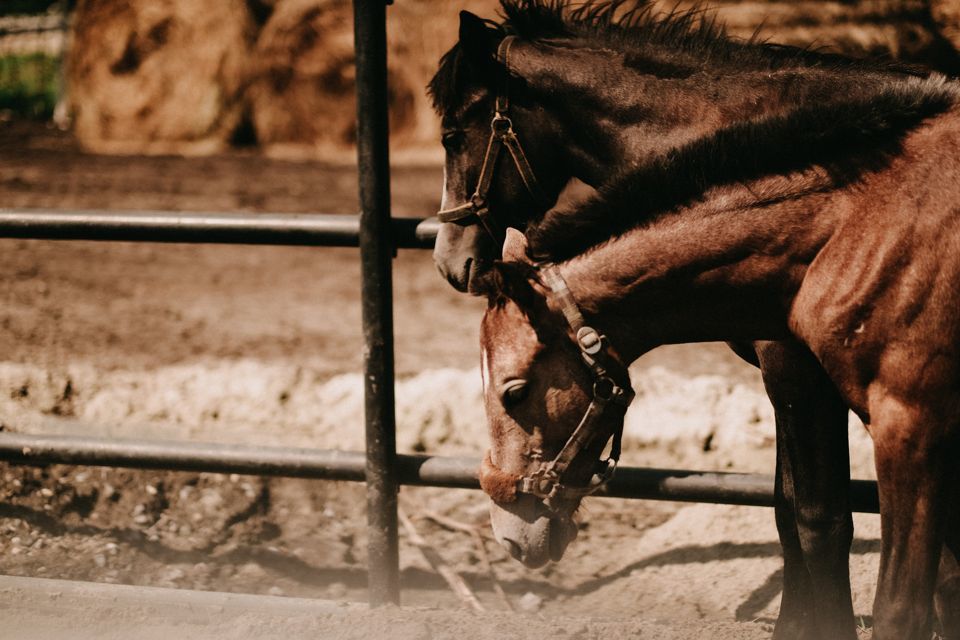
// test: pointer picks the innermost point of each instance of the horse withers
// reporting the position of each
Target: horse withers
(656, 113)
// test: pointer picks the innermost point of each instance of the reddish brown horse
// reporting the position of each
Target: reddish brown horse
(865, 273)
(794, 157)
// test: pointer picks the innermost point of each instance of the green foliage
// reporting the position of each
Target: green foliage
(28, 84)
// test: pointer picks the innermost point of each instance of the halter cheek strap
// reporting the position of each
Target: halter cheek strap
(501, 135)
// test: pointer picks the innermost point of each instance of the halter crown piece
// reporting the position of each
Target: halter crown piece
(502, 135)
(546, 482)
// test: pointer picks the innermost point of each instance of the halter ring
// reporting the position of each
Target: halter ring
(501, 124)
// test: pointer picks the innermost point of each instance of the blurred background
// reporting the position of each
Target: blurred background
(188, 77)
(248, 105)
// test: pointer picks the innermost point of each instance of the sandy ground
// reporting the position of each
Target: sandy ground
(262, 346)
(44, 609)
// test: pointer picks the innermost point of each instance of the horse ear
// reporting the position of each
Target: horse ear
(479, 42)
(515, 247)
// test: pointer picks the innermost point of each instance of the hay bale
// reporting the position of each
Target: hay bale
(302, 88)
(182, 76)
(898, 29)
(420, 32)
(302, 93)
(161, 76)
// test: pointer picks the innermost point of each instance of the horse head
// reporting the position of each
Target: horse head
(552, 403)
(504, 166)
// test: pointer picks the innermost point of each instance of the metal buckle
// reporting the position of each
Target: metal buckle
(501, 125)
(477, 202)
(546, 485)
(590, 341)
(541, 483)
(604, 389)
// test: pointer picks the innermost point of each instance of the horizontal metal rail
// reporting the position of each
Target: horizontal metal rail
(435, 471)
(19, 31)
(307, 229)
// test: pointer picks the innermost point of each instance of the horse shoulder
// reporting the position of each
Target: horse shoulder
(881, 300)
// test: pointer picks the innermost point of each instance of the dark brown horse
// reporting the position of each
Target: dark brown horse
(657, 113)
(583, 49)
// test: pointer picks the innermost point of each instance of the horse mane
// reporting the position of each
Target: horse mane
(844, 137)
(693, 37)
(631, 26)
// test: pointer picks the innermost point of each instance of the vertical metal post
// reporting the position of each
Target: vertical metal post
(376, 252)
(61, 112)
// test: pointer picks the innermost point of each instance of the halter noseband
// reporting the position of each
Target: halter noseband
(546, 482)
(501, 135)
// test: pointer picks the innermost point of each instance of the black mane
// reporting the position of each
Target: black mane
(505, 281)
(845, 137)
(693, 39)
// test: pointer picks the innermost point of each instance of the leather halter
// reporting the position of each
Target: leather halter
(546, 482)
(501, 135)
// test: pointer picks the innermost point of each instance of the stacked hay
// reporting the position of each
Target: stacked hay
(899, 29)
(180, 75)
(158, 75)
(420, 32)
(302, 92)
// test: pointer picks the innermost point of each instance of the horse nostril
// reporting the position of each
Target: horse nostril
(513, 548)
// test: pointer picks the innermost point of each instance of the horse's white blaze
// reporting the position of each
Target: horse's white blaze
(444, 198)
(484, 369)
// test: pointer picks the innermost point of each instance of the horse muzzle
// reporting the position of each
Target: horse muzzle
(461, 254)
(531, 534)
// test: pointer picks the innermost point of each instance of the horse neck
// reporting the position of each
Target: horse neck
(725, 269)
(615, 115)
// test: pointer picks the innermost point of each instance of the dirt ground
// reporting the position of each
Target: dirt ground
(262, 345)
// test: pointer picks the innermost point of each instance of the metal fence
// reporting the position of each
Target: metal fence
(377, 235)
(46, 33)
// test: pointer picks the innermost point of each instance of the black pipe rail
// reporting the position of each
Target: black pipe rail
(19, 31)
(376, 299)
(676, 485)
(289, 229)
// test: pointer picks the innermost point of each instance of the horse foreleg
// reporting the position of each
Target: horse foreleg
(947, 597)
(796, 618)
(947, 600)
(913, 461)
(811, 495)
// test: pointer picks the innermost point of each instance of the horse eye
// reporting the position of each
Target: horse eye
(514, 392)
(452, 139)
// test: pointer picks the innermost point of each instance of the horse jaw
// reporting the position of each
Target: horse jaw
(529, 533)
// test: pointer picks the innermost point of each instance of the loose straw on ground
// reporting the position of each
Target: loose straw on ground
(454, 525)
(452, 578)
